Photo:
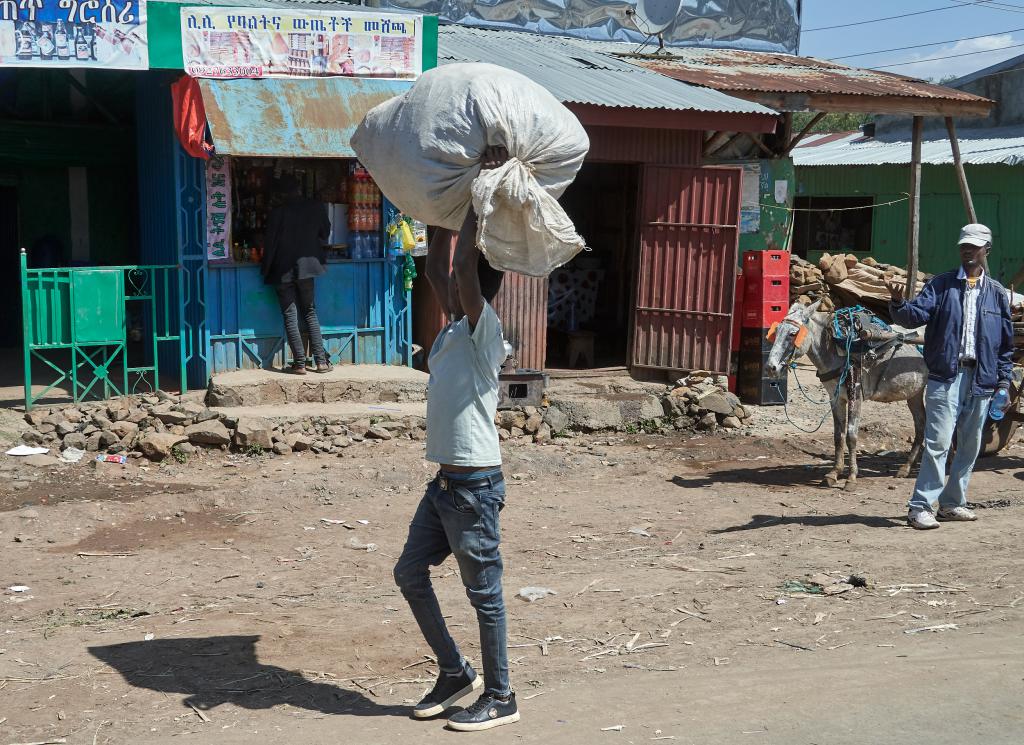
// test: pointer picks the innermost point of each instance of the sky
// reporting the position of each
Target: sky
(958, 19)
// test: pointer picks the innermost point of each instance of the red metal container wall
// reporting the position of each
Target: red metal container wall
(635, 145)
(686, 286)
(522, 306)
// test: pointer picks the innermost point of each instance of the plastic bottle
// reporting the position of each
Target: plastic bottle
(997, 408)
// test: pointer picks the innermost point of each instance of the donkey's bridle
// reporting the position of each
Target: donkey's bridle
(798, 341)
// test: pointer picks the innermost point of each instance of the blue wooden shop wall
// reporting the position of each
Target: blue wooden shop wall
(171, 218)
(361, 311)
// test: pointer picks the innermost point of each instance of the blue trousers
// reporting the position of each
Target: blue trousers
(459, 515)
(950, 407)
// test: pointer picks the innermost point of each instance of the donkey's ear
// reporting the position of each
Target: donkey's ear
(813, 307)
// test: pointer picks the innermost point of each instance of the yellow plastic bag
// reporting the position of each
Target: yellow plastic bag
(405, 236)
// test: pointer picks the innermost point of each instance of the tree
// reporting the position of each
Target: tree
(834, 122)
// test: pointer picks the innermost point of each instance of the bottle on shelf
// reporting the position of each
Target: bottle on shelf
(82, 48)
(62, 41)
(47, 45)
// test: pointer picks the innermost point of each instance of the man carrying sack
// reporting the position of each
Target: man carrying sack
(459, 514)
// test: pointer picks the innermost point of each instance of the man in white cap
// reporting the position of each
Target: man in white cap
(968, 347)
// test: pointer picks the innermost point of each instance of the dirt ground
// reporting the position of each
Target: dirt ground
(212, 602)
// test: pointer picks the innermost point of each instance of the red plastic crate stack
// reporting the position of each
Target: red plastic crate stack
(765, 301)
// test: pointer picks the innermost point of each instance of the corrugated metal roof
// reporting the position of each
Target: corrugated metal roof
(577, 71)
(983, 146)
(737, 70)
(291, 117)
(999, 67)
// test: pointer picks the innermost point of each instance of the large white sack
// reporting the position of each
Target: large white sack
(423, 149)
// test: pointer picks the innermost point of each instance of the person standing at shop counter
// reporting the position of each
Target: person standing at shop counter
(459, 514)
(293, 257)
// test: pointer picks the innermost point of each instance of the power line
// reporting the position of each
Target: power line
(932, 44)
(892, 18)
(947, 56)
(990, 4)
(1006, 7)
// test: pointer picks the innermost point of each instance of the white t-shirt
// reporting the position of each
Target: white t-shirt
(462, 397)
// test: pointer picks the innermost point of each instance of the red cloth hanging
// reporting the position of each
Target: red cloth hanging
(190, 117)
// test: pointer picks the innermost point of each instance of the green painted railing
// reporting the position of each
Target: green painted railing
(76, 327)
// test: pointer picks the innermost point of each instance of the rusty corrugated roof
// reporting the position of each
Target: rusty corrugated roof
(733, 70)
(291, 117)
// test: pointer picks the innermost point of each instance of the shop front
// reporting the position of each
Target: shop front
(362, 300)
(104, 167)
(277, 104)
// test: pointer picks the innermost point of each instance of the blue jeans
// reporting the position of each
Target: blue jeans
(460, 520)
(949, 406)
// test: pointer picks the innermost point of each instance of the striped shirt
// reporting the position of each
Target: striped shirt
(969, 333)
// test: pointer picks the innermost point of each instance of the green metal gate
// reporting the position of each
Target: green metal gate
(76, 327)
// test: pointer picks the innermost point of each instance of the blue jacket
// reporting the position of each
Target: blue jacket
(940, 305)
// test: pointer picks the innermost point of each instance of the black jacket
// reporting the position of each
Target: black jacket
(294, 243)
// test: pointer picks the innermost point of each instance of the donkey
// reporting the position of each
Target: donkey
(898, 375)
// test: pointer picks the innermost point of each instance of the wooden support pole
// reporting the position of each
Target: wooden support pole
(712, 142)
(715, 150)
(965, 189)
(803, 132)
(914, 225)
(756, 139)
(787, 131)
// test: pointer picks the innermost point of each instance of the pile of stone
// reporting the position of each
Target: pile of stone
(699, 402)
(158, 427)
(530, 422)
(703, 402)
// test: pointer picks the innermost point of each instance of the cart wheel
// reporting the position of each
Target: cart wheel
(998, 435)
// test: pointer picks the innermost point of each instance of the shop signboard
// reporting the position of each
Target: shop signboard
(233, 42)
(218, 208)
(109, 34)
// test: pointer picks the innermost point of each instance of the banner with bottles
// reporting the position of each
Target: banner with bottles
(277, 42)
(109, 34)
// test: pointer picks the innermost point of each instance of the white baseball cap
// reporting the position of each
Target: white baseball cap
(976, 234)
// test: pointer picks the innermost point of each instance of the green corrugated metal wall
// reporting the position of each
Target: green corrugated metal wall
(998, 199)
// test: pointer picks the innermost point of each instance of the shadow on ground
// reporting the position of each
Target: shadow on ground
(815, 521)
(216, 670)
(799, 475)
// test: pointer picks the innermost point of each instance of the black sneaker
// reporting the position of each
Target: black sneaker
(446, 691)
(488, 711)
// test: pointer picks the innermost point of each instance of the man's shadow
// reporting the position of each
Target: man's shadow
(224, 669)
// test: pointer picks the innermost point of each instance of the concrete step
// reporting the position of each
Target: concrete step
(363, 384)
(336, 411)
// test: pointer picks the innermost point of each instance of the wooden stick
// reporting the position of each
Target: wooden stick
(756, 139)
(710, 153)
(961, 175)
(803, 133)
(713, 142)
(914, 225)
(201, 714)
(693, 615)
(580, 592)
(85, 554)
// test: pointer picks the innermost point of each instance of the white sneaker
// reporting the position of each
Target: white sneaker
(956, 514)
(922, 519)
